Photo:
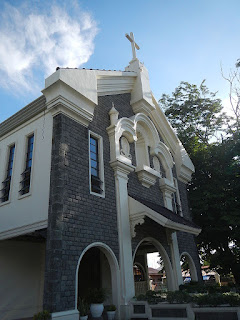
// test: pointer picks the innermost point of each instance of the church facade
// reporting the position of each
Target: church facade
(93, 178)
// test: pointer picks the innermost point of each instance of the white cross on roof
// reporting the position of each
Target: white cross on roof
(133, 43)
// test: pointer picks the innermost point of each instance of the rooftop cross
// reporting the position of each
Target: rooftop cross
(133, 43)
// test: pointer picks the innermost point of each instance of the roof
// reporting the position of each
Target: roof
(166, 212)
(153, 271)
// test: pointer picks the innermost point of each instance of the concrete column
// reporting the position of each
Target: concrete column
(121, 171)
(167, 189)
(176, 259)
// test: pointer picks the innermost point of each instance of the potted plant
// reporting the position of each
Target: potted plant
(83, 309)
(95, 298)
(42, 315)
(111, 310)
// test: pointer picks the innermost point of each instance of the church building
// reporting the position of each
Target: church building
(93, 178)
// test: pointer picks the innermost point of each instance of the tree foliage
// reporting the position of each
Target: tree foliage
(214, 191)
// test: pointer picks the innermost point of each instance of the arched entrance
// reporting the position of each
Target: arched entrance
(98, 268)
(164, 277)
(189, 270)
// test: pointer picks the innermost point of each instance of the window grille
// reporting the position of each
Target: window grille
(7, 182)
(96, 183)
(26, 175)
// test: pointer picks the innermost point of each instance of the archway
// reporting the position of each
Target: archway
(98, 268)
(165, 278)
(189, 270)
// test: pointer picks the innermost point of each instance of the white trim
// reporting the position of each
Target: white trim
(27, 113)
(115, 272)
(62, 105)
(109, 85)
(66, 315)
(138, 211)
(23, 230)
(192, 267)
(167, 263)
(101, 163)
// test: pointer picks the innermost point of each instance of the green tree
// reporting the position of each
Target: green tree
(194, 113)
(214, 191)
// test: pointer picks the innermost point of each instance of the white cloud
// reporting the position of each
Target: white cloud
(32, 41)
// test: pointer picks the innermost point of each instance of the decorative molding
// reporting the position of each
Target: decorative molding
(60, 98)
(142, 106)
(147, 176)
(122, 169)
(166, 185)
(118, 84)
(23, 115)
(113, 113)
(134, 221)
(23, 230)
(138, 210)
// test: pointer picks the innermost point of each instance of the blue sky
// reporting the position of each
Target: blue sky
(179, 40)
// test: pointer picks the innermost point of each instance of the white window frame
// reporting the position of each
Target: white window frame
(100, 161)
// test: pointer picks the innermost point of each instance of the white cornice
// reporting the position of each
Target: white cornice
(25, 114)
(23, 230)
(115, 84)
(60, 97)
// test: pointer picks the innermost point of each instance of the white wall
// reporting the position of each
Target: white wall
(21, 279)
(22, 214)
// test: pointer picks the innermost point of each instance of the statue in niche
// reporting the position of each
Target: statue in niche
(125, 148)
(156, 165)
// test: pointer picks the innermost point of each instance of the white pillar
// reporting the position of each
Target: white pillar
(121, 171)
(176, 258)
(167, 188)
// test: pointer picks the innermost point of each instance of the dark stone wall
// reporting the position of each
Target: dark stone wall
(77, 218)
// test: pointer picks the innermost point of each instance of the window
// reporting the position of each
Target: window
(96, 164)
(7, 182)
(26, 175)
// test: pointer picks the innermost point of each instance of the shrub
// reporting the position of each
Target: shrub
(43, 315)
(216, 299)
(178, 297)
(152, 297)
(232, 298)
(83, 307)
(112, 307)
(96, 295)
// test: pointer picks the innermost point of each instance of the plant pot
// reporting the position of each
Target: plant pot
(111, 315)
(96, 310)
(84, 317)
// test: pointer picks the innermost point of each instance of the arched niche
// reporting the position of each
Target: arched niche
(162, 152)
(124, 131)
(112, 265)
(191, 264)
(171, 283)
(143, 124)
